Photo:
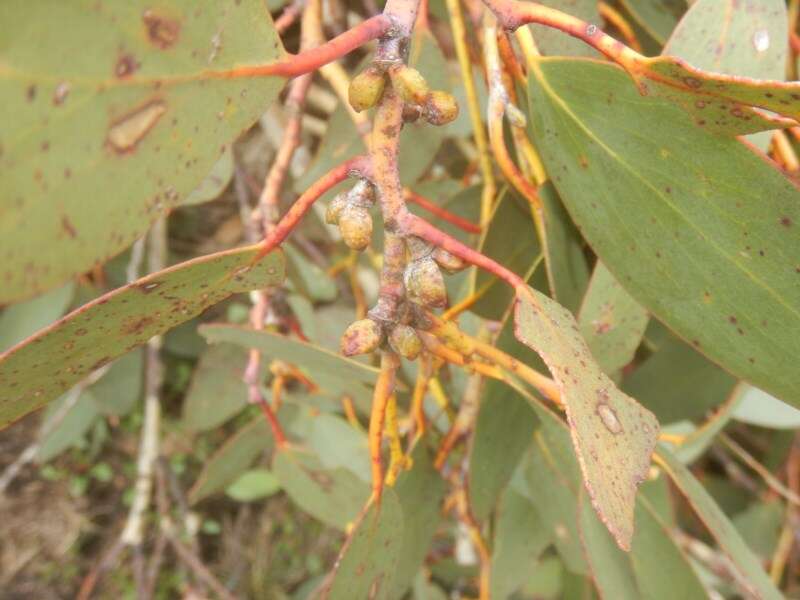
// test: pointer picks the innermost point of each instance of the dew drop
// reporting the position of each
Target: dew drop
(609, 418)
(761, 40)
(125, 134)
(591, 30)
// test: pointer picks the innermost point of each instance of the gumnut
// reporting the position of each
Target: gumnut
(441, 108)
(448, 262)
(410, 84)
(361, 337)
(335, 208)
(355, 225)
(424, 283)
(405, 341)
(362, 194)
(366, 89)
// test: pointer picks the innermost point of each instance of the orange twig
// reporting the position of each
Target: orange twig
(380, 398)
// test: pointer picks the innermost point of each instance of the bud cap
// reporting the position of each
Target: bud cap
(405, 341)
(424, 283)
(361, 337)
(355, 225)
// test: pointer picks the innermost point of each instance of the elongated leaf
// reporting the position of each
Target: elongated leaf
(420, 492)
(511, 240)
(45, 365)
(754, 577)
(21, 320)
(611, 321)
(117, 116)
(366, 564)
(658, 17)
(707, 240)
(520, 538)
(759, 408)
(217, 391)
(325, 367)
(503, 414)
(555, 43)
(232, 459)
(568, 272)
(613, 435)
(735, 37)
(334, 496)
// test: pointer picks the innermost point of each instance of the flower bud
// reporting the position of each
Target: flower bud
(410, 84)
(441, 108)
(362, 194)
(355, 225)
(361, 337)
(366, 89)
(448, 262)
(335, 208)
(424, 283)
(405, 341)
(411, 113)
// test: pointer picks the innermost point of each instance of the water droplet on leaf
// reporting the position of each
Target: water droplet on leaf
(761, 40)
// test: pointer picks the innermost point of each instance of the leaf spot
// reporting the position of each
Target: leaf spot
(127, 132)
(609, 418)
(161, 31)
(61, 93)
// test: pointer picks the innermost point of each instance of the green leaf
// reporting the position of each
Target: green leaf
(677, 383)
(611, 321)
(217, 391)
(255, 484)
(47, 364)
(367, 562)
(117, 117)
(555, 43)
(420, 492)
(520, 537)
(568, 273)
(310, 279)
(656, 568)
(338, 444)
(334, 496)
(704, 240)
(657, 17)
(118, 390)
(759, 408)
(214, 183)
(748, 39)
(613, 435)
(232, 459)
(21, 320)
(331, 371)
(503, 415)
(510, 240)
(753, 577)
(71, 430)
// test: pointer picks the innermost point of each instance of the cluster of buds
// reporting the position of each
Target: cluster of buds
(436, 107)
(424, 288)
(350, 211)
(367, 335)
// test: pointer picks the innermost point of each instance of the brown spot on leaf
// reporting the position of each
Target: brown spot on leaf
(138, 326)
(61, 92)
(786, 221)
(161, 31)
(125, 66)
(68, 227)
(125, 133)
(30, 93)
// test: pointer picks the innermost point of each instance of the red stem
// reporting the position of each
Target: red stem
(442, 213)
(413, 224)
(284, 227)
(513, 14)
(313, 59)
